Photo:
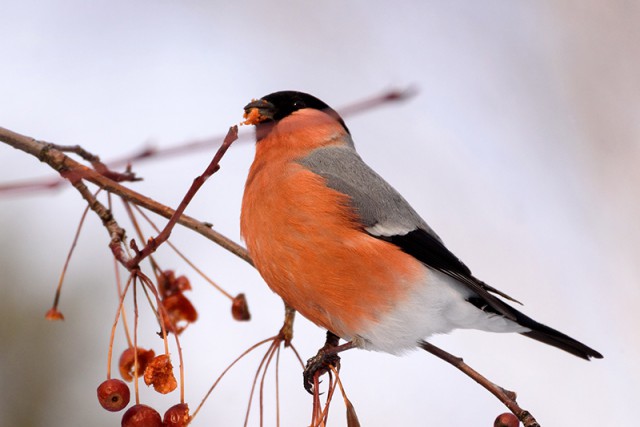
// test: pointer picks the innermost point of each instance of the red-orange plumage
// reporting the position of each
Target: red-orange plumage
(344, 248)
(307, 242)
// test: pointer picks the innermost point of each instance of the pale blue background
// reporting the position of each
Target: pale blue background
(521, 150)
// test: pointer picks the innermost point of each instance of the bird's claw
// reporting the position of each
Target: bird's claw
(319, 364)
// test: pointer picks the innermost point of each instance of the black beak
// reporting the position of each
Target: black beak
(265, 109)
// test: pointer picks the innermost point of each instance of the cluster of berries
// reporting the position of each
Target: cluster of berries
(113, 395)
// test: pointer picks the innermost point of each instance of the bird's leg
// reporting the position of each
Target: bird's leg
(286, 332)
(327, 356)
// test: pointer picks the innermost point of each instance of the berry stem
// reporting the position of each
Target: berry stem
(135, 338)
(161, 314)
(159, 311)
(227, 369)
(324, 414)
(255, 379)
(63, 273)
(123, 312)
(115, 324)
(125, 324)
(270, 353)
(278, 386)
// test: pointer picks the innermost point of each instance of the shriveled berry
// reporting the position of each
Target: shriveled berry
(240, 308)
(127, 361)
(180, 313)
(113, 395)
(141, 416)
(506, 420)
(169, 284)
(54, 314)
(177, 416)
(159, 373)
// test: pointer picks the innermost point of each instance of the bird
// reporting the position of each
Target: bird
(344, 249)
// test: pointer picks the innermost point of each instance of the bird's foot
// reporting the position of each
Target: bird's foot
(319, 365)
(326, 359)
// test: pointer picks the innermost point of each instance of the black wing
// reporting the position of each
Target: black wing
(431, 251)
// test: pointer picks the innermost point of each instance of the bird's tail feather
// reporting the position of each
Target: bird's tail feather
(555, 338)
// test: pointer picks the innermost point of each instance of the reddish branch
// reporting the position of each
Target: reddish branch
(505, 396)
(77, 173)
(387, 97)
(213, 167)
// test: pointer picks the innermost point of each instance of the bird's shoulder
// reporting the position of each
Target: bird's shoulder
(386, 215)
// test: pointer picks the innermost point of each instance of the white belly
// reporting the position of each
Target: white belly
(437, 307)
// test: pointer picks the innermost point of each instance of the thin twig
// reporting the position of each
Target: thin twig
(505, 396)
(116, 232)
(183, 257)
(387, 97)
(183, 148)
(56, 298)
(96, 163)
(75, 171)
(275, 347)
(278, 387)
(264, 359)
(214, 166)
(135, 339)
(352, 417)
(163, 317)
(115, 324)
(227, 369)
(123, 312)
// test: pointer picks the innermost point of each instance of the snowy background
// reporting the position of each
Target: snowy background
(521, 150)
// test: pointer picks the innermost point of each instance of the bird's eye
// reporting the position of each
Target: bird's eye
(298, 105)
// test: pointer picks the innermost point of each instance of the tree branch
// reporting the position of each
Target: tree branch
(75, 171)
(386, 97)
(163, 236)
(505, 396)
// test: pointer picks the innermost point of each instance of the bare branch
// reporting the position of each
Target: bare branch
(213, 167)
(74, 171)
(505, 396)
(369, 103)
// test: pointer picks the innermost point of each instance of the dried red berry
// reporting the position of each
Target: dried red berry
(240, 308)
(180, 311)
(127, 359)
(182, 283)
(113, 395)
(159, 373)
(141, 416)
(169, 284)
(166, 281)
(177, 416)
(54, 314)
(506, 420)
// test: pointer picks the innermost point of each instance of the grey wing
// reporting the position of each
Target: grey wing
(385, 214)
(382, 210)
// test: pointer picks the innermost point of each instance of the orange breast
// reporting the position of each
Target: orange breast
(311, 250)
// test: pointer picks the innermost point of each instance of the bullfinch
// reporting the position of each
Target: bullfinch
(346, 250)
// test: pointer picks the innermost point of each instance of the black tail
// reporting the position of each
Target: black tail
(539, 332)
(555, 338)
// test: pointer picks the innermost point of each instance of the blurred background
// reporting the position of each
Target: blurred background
(520, 149)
